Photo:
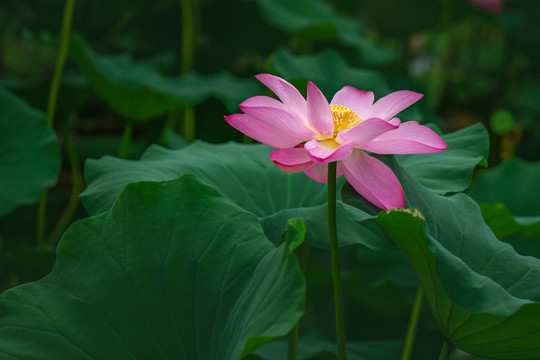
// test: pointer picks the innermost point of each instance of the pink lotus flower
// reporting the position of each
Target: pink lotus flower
(310, 134)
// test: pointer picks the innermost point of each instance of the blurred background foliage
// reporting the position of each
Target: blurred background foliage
(473, 65)
(139, 71)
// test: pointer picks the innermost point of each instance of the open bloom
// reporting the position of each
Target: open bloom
(310, 134)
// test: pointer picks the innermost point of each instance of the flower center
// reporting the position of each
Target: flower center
(344, 118)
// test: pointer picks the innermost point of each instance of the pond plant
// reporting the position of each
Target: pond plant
(319, 138)
(227, 220)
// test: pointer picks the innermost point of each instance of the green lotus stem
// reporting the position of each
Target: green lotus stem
(60, 60)
(170, 124)
(186, 65)
(123, 151)
(334, 251)
(440, 78)
(76, 177)
(51, 104)
(413, 325)
(41, 214)
(188, 36)
(189, 123)
(445, 351)
(293, 343)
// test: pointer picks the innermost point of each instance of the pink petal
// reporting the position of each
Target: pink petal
(358, 101)
(285, 92)
(280, 119)
(319, 172)
(409, 138)
(261, 131)
(319, 113)
(364, 132)
(373, 180)
(392, 104)
(395, 121)
(326, 151)
(263, 101)
(291, 160)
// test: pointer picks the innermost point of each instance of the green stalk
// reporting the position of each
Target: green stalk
(445, 351)
(189, 123)
(41, 214)
(293, 343)
(413, 325)
(123, 152)
(171, 124)
(60, 61)
(51, 104)
(76, 177)
(334, 251)
(186, 65)
(188, 36)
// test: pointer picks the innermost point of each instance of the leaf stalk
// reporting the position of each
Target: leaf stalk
(413, 325)
(445, 351)
(334, 253)
(51, 104)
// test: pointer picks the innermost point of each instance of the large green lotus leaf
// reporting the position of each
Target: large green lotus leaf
(139, 92)
(450, 170)
(312, 346)
(444, 172)
(318, 19)
(504, 224)
(29, 153)
(485, 296)
(243, 172)
(173, 271)
(513, 182)
(509, 197)
(522, 232)
(330, 72)
(246, 175)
